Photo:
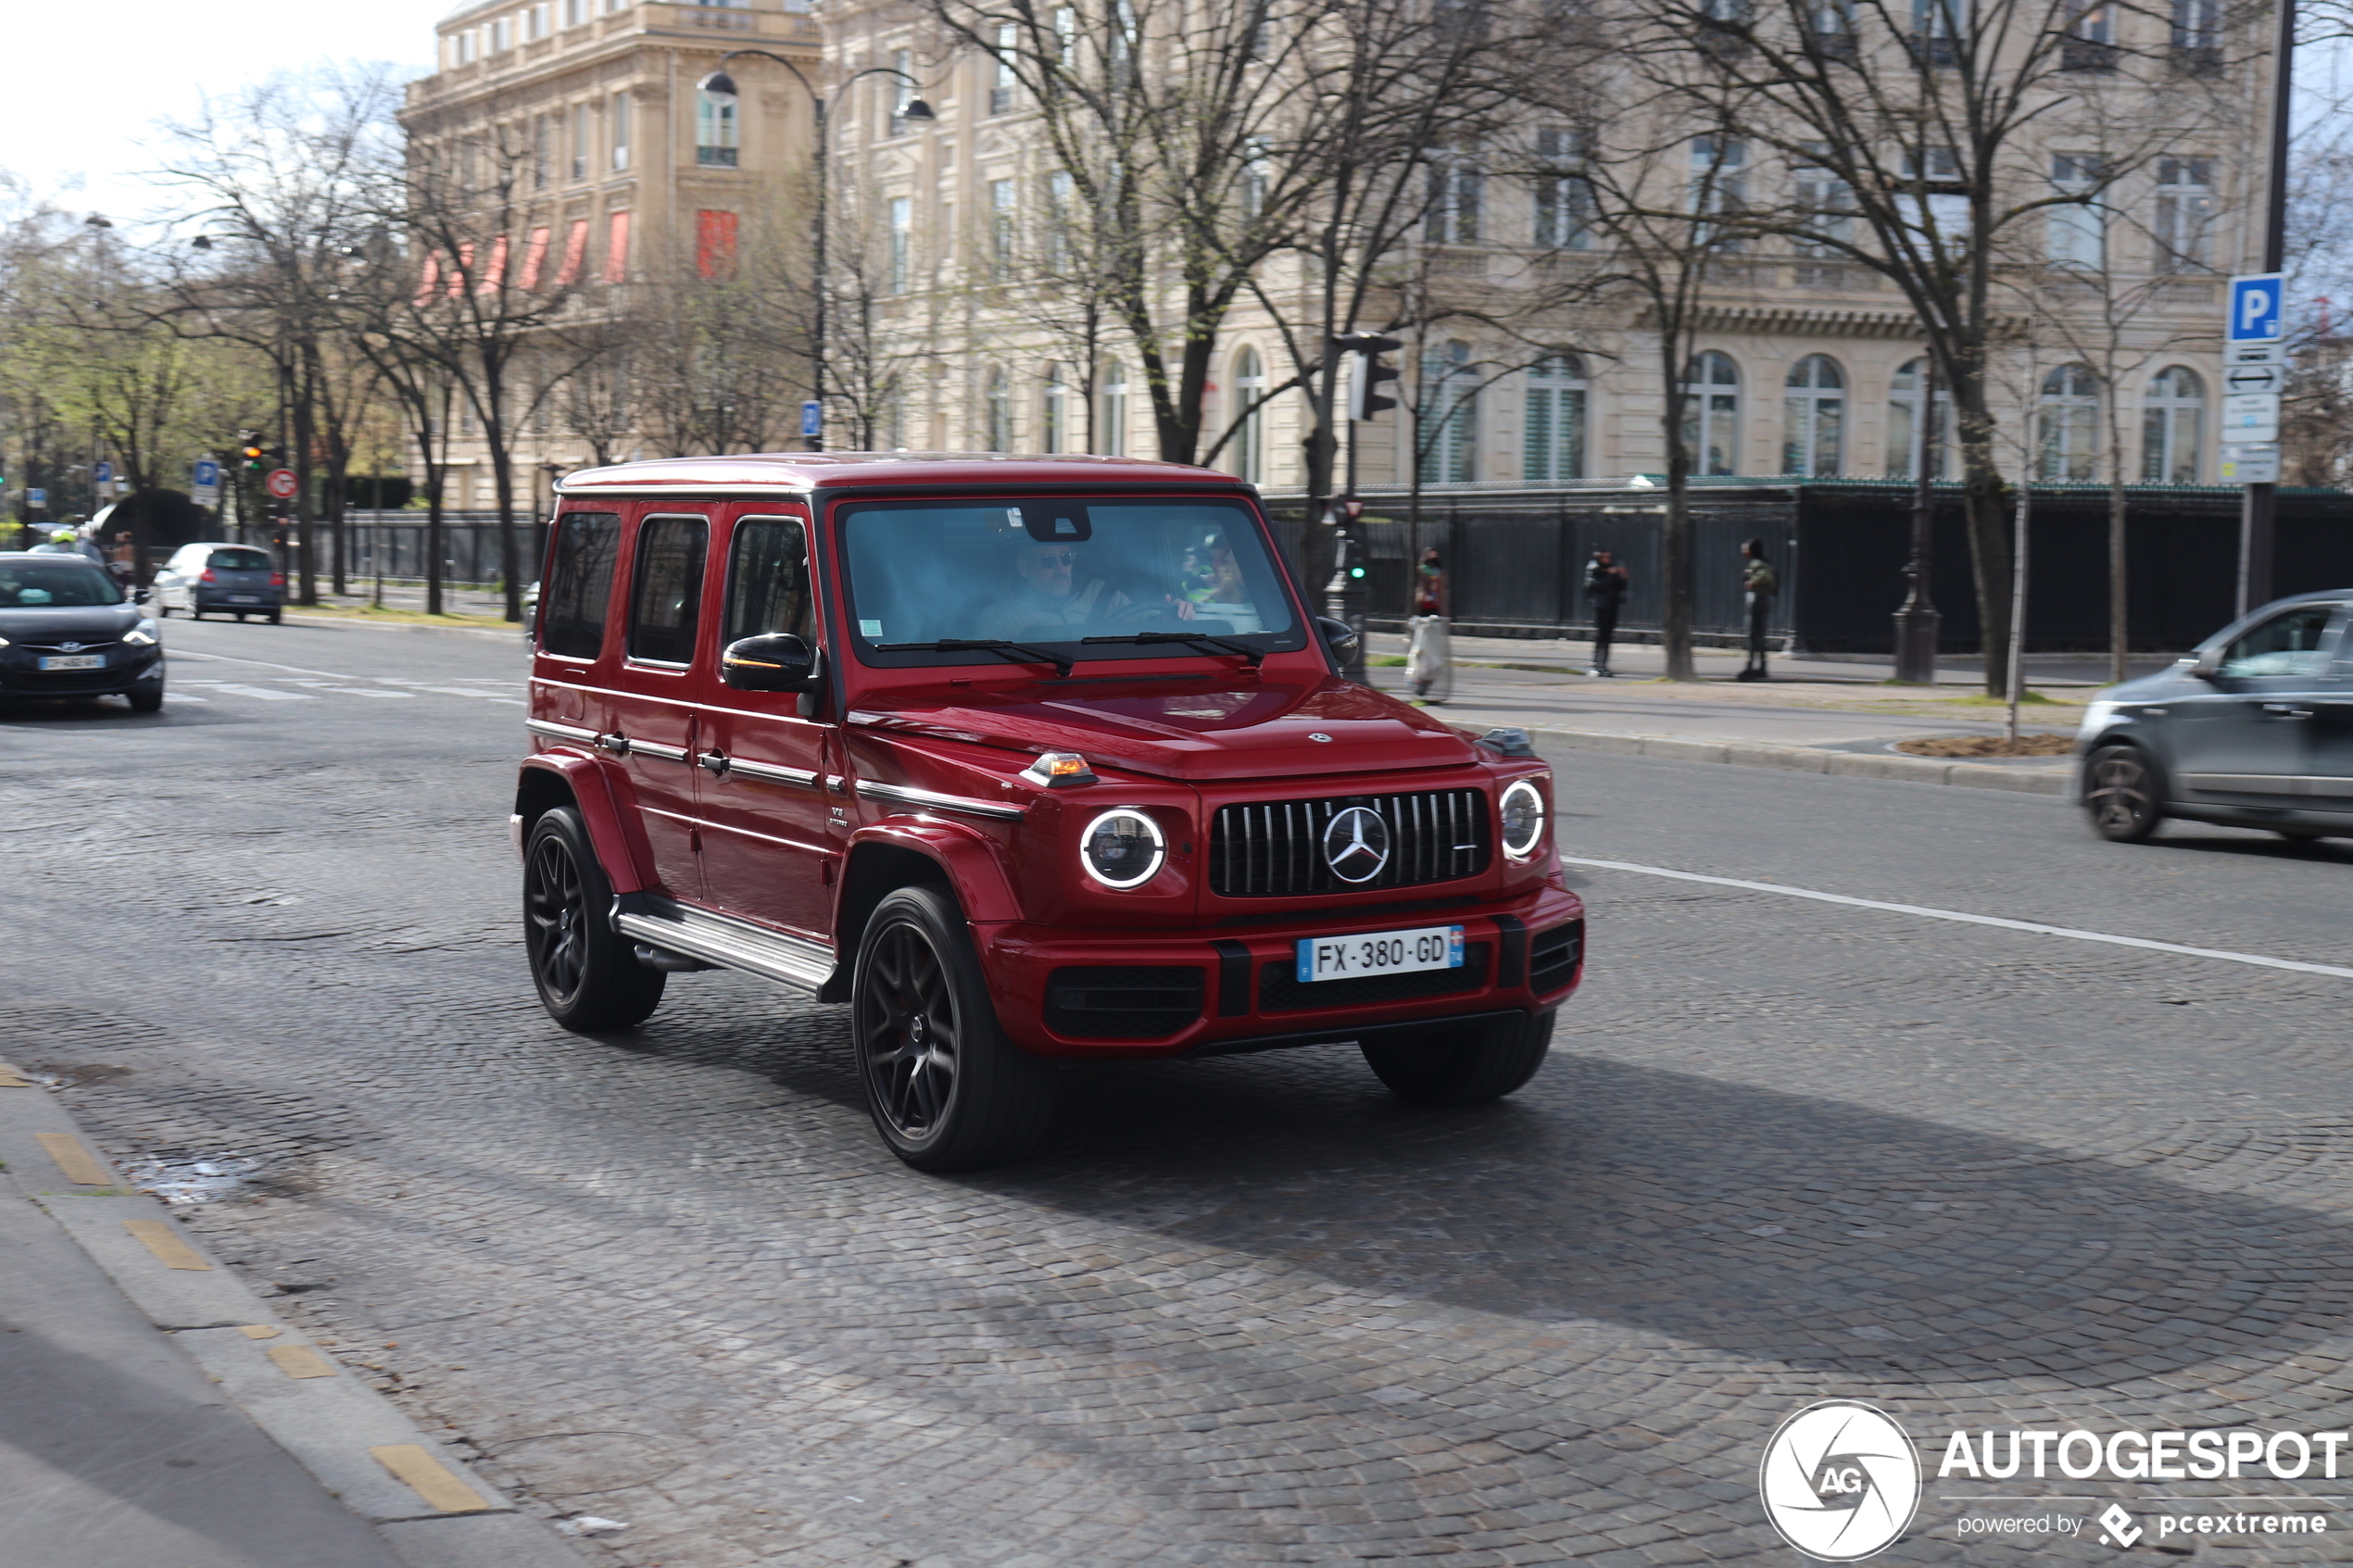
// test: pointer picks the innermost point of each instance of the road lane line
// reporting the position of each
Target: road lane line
(429, 1478)
(73, 1157)
(2035, 928)
(158, 1237)
(264, 692)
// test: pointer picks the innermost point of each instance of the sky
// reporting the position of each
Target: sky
(88, 85)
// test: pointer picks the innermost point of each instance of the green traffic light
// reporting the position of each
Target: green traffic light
(1355, 571)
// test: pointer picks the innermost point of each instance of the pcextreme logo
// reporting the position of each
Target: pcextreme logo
(1839, 1481)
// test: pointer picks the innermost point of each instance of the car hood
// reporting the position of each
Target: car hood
(1215, 729)
(89, 623)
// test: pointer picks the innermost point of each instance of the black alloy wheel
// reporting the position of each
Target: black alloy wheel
(947, 1089)
(588, 975)
(1465, 1065)
(2121, 794)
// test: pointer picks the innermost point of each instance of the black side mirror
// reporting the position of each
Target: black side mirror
(1338, 636)
(2207, 667)
(775, 661)
(141, 596)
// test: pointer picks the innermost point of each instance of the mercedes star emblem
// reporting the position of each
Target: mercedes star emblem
(1356, 844)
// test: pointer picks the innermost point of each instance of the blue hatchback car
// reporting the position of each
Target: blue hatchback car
(2254, 729)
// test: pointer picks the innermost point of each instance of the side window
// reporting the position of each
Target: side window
(768, 579)
(572, 609)
(2289, 643)
(665, 599)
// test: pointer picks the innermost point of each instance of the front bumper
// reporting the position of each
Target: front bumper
(1205, 992)
(127, 670)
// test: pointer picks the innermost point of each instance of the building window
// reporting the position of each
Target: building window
(1449, 416)
(581, 136)
(1936, 28)
(1903, 427)
(2185, 212)
(715, 243)
(1712, 414)
(2068, 433)
(1454, 192)
(1718, 184)
(1001, 213)
(619, 131)
(2197, 36)
(575, 12)
(900, 90)
(1827, 204)
(2078, 232)
(1814, 417)
(1564, 202)
(538, 16)
(1250, 416)
(2173, 426)
(1111, 428)
(2090, 43)
(543, 137)
(896, 267)
(1058, 223)
(1553, 426)
(502, 34)
(1053, 412)
(1003, 80)
(997, 412)
(715, 144)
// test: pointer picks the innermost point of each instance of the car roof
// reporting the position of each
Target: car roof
(770, 472)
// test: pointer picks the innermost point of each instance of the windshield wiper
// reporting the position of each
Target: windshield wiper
(1021, 652)
(1256, 655)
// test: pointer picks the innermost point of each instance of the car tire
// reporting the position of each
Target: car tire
(163, 609)
(195, 610)
(2122, 792)
(1466, 1065)
(947, 1089)
(2300, 836)
(240, 617)
(587, 973)
(146, 702)
(275, 617)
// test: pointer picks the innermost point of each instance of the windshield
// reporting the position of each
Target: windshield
(1079, 578)
(24, 585)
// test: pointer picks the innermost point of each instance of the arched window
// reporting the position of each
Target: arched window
(1814, 417)
(1554, 429)
(1111, 427)
(997, 411)
(1449, 415)
(2068, 433)
(1053, 412)
(1712, 414)
(1903, 426)
(2173, 426)
(1248, 443)
(715, 130)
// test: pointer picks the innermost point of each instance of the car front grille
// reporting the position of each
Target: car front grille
(1137, 1003)
(1272, 848)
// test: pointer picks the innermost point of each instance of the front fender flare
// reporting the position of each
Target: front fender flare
(620, 846)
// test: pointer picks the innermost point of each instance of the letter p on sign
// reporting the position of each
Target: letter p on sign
(2255, 308)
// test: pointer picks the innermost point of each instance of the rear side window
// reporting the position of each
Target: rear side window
(572, 607)
(240, 560)
(666, 596)
(768, 579)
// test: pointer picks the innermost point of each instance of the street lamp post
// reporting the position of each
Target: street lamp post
(1917, 621)
(718, 84)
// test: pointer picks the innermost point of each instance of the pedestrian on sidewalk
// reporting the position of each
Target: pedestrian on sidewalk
(1429, 667)
(1605, 595)
(1759, 585)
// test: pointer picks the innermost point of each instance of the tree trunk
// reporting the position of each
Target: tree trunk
(1674, 533)
(2119, 635)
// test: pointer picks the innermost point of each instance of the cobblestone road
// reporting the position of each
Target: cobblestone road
(1246, 1311)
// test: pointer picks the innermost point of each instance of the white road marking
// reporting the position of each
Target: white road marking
(2035, 928)
(484, 697)
(332, 675)
(263, 691)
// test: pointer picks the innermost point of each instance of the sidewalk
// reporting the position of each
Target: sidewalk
(154, 1412)
(1814, 715)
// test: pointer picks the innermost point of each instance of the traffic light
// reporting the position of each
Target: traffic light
(250, 456)
(1365, 398)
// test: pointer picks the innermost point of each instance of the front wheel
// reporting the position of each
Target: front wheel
(1467, 1064)
(588, 975)
(2121, 794)
(146, 701)
(947, 1089)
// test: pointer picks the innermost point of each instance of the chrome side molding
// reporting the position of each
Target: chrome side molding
(907, 795)
(554, 731)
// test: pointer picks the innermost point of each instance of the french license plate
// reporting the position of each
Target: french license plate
(75, 661)
(244, 598)
(1380, 952)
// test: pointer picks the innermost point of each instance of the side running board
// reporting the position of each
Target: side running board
(721, 939)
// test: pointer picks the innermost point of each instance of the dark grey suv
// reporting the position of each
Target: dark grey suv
(2255, 728)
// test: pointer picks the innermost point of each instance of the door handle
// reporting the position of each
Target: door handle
(616, 742)
(2287, 711)
(714, 762)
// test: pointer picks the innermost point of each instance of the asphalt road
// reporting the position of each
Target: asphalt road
(1244, 1312)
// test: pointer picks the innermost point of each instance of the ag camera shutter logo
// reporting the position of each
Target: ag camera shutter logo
(1839, 1481)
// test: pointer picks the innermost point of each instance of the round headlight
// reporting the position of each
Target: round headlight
(1523, 812)
(1122, 849)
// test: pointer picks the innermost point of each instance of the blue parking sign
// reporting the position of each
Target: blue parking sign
(207, 474)
(2255, 308)
(813, 418)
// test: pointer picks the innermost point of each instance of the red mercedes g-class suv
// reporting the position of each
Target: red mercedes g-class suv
(1023, 758)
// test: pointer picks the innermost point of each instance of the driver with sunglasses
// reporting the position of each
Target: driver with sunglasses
(1048, 600)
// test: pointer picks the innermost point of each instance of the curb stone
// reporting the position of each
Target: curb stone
(1814, 759)
(339, 1430)
(509, 636)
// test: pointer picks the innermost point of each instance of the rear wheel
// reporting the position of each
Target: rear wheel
(2121, 794)
(195, 610)
(1465, 1064)
(947, 1089)
(275, 616)
(588, 975)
